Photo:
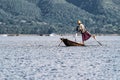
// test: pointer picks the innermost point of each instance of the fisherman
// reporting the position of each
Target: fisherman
(85, 34)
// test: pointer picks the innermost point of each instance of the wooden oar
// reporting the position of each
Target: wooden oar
(60, 43)
(97, 40)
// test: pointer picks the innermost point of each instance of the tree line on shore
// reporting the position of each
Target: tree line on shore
(58, 16)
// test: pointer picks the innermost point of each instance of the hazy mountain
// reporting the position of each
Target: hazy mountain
(59, 16)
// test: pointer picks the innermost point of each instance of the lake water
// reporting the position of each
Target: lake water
(40, 58)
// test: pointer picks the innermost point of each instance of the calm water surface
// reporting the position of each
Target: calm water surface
(40, 58)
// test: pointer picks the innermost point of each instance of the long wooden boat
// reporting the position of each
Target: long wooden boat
(71, 43)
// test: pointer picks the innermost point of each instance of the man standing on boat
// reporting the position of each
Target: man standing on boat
(85, 34)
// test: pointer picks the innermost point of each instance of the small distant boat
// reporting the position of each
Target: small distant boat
(71, 43)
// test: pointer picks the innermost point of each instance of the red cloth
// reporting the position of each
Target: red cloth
(85, 36)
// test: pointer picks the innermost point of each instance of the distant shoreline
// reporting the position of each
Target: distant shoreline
(55, 34)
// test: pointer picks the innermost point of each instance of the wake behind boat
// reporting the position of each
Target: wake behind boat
(71, 43)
